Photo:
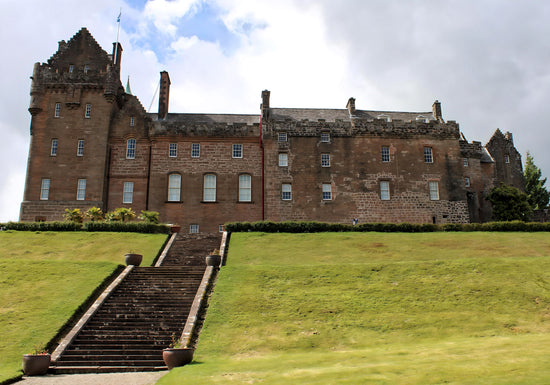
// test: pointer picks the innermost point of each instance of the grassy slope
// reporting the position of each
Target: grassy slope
(45, 276)
(465, 308)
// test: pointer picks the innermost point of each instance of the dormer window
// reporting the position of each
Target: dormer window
(384, 117)
(421, 118)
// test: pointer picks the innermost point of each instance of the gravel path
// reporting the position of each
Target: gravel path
(141, 378)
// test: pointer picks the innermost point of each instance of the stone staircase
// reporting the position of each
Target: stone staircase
(138, 319)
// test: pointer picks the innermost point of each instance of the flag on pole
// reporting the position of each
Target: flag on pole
(118, 18)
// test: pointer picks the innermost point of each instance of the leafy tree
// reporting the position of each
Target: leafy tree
(149, 216)
(537, 194)
(73, 215)
(94, 214)
(509, 204)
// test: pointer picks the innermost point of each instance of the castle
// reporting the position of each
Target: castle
(93, 144)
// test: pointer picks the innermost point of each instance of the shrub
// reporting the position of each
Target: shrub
(94, 214)
(149, 216)
(74, 215)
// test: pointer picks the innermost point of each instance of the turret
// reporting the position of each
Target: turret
(36, 91)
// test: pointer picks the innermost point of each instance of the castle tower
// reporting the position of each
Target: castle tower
(73, 97)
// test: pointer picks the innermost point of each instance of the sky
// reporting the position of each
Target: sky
(486, 61)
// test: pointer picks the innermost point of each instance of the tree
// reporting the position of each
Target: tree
(509, 204)
(537, 194)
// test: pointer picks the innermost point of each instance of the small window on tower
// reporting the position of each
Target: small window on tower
(132, 121)
(80, 148)
(86, 69)
(283, 137)
(53, 149)
(506, 158)
(57, 110)
(88, 112)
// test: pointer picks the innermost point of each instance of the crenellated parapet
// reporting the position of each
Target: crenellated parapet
(471, 150)
(206, 125)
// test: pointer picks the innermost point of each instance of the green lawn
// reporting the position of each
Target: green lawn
(45, 276)
(357, 308)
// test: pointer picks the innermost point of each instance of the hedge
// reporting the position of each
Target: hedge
(133, 227)
(316, 227)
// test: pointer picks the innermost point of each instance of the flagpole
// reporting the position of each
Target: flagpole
(117, 34)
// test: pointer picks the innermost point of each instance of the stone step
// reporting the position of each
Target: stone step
(113, 362)
(103, 369)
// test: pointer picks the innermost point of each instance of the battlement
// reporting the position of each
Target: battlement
(205, 127)
(471, 150)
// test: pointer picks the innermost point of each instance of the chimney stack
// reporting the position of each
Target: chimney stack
(164, 94)
(351, 106)
(117, 55)
(436, 110)
(265, 103)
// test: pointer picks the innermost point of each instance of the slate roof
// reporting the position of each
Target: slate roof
(210, 118)
(331, 115)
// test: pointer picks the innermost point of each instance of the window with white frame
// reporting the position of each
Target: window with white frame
(81, 190)
(193, 229)
(45, 190)
(506, 158)
(434, 190)
(428, 155)
(245, 188)
(131, 149)
(53, 148)
(173, 150)
(325, 137)
(209, 193)
(283, 159)
(57, 112)
(128, 192)
(327, 191)
(465, 162)
(282, 137)
(385, 154)
(195, 150)
(80, 148)
(286, 191)
(88, 112)
(132, 121)
(384, 190)
(466, 182)
(325, 160)
(174, 187)
(237, 151)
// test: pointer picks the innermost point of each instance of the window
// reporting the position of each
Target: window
(195, 150)
(193, 229)
(287, 191)
(384, 190)
(245, 188)
(53, 149)
(128, 194)
(465, 162)
(86, 68)
(325, 160)
(385, 154)
(466, 182)
(174, 187)
(57, 113)
(131, 149)
(506, 158)
(384, 117)
(221, 228)
(71, 68)
(80, 148)
(209, 194)
(325, 137)
(81, 190)
(132, 121)
(88, 112)
(237, 151)
(434, 190)
(173, 150)
(283, 137)
(283, 159)
(421, 118)
(45, 190)
(428, 155)
(327, 191)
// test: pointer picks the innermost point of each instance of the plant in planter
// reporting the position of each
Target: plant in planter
(214, 259)
(176, 355)
(37, 363)
(132, 258)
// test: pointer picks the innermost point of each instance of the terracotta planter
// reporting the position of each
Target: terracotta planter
(36, 364)
(133, 259)
(213, 260)
(174, 357)
(175, 228)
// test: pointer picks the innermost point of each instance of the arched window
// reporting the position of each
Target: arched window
(245, 188)
(174, 187)
(209, 189)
